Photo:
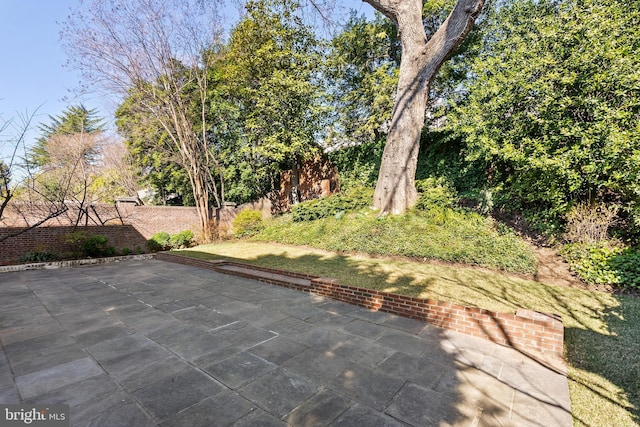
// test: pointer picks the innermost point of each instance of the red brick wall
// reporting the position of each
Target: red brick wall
(53, 239)
(149, 220)
(317, 178)
(125, 226)
(525, 330)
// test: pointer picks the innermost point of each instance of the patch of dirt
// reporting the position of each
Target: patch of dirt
(553, 270)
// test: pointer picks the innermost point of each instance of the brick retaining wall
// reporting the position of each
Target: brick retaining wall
(52, 239)
(525, 330)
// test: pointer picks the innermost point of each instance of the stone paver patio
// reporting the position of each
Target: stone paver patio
(148, 343)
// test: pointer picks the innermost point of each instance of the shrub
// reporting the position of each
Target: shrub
(247, 222)
(332, 206)
(452, 235)
(435, 192)
(39, 256)
(180, 240)
(126, 251)
(589, 223)
(605, 263)
(96, 246)
(75, 241)
(159, 241)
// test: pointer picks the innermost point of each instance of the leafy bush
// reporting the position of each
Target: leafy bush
(604, 263)
(180, 240)
(83, 245)
(435, 192)
(39, 256)
(247, 222)
(126, 251)
(75, 241)
(163, 241)
(331, 206)
(96, 246)
(159, 241)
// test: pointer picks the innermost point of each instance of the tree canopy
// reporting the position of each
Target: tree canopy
(75, 119)
(552, 104)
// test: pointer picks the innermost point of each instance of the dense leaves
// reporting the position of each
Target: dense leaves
(362, 70)
(272, 61)
(553, 100)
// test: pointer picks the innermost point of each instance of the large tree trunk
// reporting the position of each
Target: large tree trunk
(421, 59)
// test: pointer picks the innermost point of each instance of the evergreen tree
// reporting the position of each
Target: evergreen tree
(76, 119)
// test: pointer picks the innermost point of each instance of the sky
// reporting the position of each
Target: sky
(34, 81)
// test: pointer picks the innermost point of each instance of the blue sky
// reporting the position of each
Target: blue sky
(33, 78)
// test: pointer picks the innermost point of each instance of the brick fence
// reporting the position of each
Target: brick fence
(526, 330)
(124, 225)
(53, 239)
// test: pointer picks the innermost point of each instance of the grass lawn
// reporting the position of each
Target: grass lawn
(602, 333)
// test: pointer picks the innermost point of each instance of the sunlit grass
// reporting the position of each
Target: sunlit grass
(602, 338)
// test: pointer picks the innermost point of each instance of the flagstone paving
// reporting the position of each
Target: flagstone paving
(151, 343)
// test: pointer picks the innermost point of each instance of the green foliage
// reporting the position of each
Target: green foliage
(159, 241)
(359, 164)
(336, 204)
(182, 239)
(83, 245)
(604, 263)
(96, 246)
(362, 72)
(271, 72)
(126, 251)
(163, 241)
(76, 119)
(75, 242)
(153, 152)
(435, 192)
(552, 101)
(437, 233)
(39, 256)
(247, 223)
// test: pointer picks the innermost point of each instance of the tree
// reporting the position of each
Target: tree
(272, 63)
(10, 189)
(422, 56)
(116, 175)
(155, 52)
(75, 119)
(552, 104)
(362, 68)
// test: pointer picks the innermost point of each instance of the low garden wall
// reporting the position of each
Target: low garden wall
(525, 330)
(52, 239)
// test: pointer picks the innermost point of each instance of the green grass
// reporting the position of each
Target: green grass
(602, 338)
(439, 233)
